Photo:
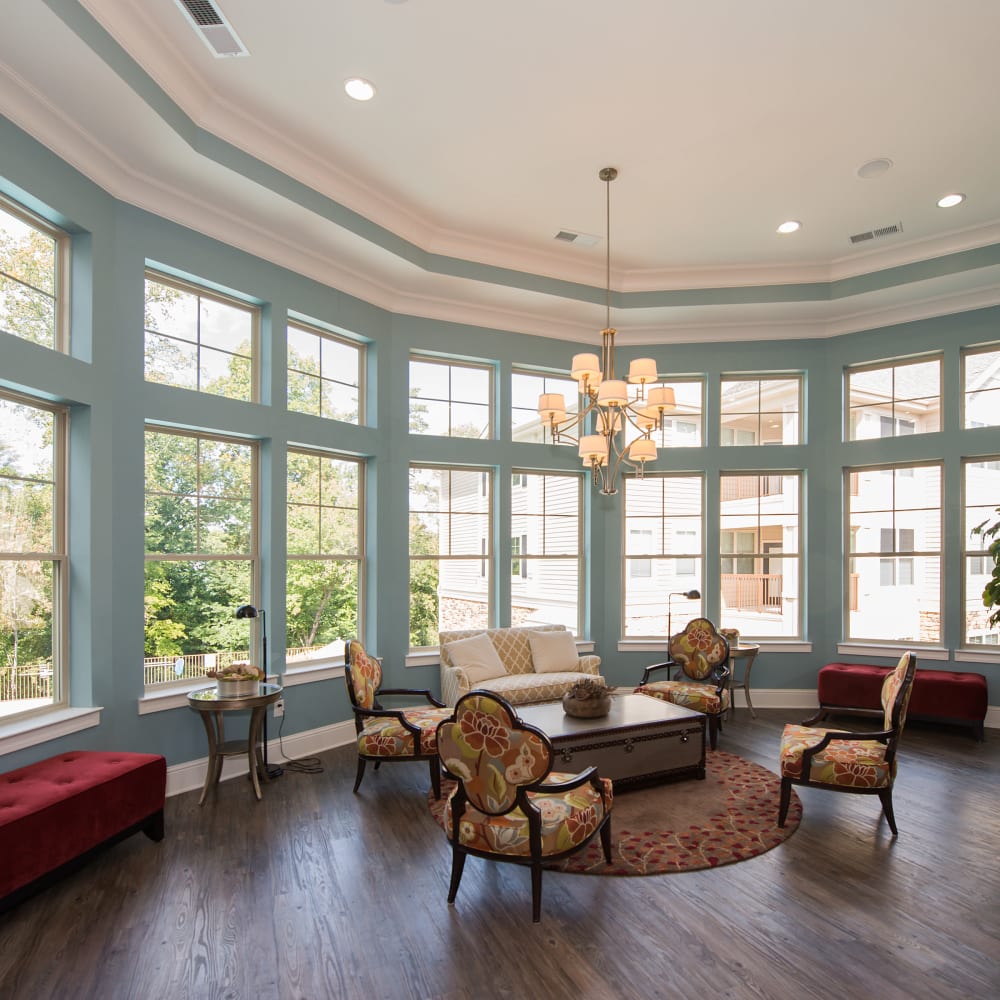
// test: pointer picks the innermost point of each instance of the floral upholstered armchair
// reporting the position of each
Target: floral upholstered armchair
(701, 655)
(509, 805)
(850, 762)
(383, 734)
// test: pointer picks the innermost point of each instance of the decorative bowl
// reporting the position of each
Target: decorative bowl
(237, 689)
(586, 708)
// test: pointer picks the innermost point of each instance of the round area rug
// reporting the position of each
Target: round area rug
(685, 825)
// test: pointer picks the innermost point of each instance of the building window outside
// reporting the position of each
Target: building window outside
(664, 517)
(325, 548)
(325, 374)
(893, 554)
(981, 387)
(449, 520)
(981, 482)
(547, 550)
(450, 398)
(34, 278)
(34, 562)
(196, 339)
(202, 553)
(765, 410)
(890, 400)
(525, 388)
(760, 561)
(682, 427)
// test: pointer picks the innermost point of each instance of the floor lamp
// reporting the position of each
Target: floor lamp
(249, 611)
(691, 595)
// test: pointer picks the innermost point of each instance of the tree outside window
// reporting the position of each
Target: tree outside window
(33, 556)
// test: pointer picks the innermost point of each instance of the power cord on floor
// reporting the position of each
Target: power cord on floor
(304, 765)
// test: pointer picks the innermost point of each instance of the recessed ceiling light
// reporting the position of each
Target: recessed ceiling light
(789, 227)
(951, 200)
(874, 168)
(360, 89)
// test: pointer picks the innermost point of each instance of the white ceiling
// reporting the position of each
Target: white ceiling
(490, 124)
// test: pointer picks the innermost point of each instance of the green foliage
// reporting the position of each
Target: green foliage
(991, 592)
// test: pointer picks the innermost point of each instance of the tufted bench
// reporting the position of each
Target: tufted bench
(55, 813)
(938, 695)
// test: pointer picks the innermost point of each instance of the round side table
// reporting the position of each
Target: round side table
(212, 707)
(744, 651)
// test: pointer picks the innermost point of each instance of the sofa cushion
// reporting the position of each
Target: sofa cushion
(525, 689)
(552, 652)
(477, 656)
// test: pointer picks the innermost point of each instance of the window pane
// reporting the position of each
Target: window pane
(982, 497)
(894, 399)
(28, 262)
(982, 389)
(449, 399)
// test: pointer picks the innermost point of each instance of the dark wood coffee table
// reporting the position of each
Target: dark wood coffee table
(641, 740)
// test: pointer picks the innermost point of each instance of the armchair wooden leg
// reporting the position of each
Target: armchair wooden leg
(820, 715)
(536, 893)
(885, 796)
(606, 841)
(457, 865)
(436, 777)
(361, 773)
(713, 731)
(786, 798)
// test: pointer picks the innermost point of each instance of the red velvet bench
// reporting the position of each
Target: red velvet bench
(938, 695)
(56, 813)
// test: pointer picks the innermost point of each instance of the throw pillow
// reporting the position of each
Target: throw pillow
(553, 652)
(477, 656)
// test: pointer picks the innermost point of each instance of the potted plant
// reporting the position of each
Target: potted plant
(237, 680)
(587, 699)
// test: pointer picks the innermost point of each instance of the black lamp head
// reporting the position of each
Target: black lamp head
(246, 611)
(691, 595)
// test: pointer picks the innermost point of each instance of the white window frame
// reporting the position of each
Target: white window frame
(60, 278)
(550, 382)
(758, 414)
(201, 293)
(993, 393)
(975, 556)
(454, 368)
(313, 329)
(892, 401)
(58, 557)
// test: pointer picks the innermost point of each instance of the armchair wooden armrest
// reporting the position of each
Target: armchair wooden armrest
(423, 692)
(882, 736)
(658, 666)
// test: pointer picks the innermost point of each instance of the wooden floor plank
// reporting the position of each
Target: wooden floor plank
(316, 892)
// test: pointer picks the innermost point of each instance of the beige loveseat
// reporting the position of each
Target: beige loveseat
(521, 684)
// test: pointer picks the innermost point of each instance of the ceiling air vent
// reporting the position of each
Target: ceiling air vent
(877, 234)
(577, 239)
(212, 28)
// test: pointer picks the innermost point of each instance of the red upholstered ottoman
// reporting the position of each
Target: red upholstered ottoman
(938, 695)
(55, 812)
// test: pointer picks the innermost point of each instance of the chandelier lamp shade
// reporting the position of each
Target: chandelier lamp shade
(610, 405)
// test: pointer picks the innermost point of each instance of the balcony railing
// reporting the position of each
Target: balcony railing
(752, 591)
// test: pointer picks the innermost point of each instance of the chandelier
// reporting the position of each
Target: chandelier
(614, 406)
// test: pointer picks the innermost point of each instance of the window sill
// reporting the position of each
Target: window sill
(24, 733)
(977, 656)
(893, 651)
(312, 674)
(766, 645)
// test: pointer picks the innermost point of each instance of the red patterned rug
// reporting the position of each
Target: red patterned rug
(730, 816)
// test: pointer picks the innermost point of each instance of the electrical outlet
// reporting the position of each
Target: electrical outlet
(279, 708)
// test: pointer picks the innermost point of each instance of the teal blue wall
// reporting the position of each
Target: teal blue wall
(103, 381)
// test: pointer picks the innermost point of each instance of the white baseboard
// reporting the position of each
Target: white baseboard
(190, 775)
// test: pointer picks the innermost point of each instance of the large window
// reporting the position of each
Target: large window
(766, 410)
(450, 520)
(981, 387)
(450, 399)
(893, 550)
(682, 427)
(198, 340)
(890, 400)
(525, 388)
(201, 553)
(760, 558)
(663, 552)
(33, 277)
(33, 560)
(546, 549)
(325, 555)
(982, 497)
(325, 374)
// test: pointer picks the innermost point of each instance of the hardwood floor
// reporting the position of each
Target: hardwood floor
(315, 892)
